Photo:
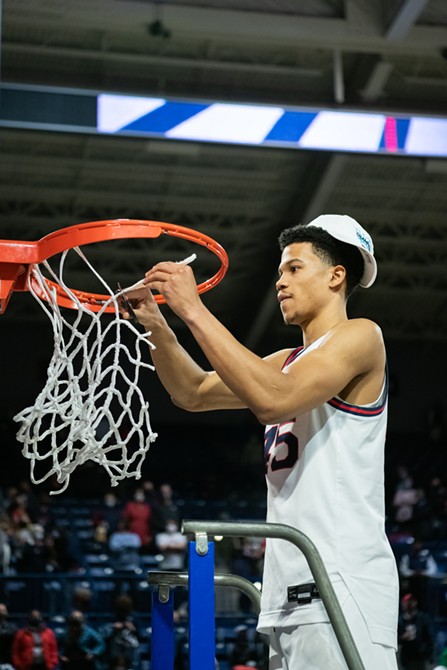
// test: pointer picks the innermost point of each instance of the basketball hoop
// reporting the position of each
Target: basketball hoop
(16, 257)
(92, 406)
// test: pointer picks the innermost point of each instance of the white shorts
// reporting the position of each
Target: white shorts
(314, 646)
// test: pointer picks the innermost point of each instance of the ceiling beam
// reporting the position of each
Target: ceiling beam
(404, 19)
(362, 31)
(377, 80)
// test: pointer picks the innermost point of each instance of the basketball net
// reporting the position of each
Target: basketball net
(91, 407)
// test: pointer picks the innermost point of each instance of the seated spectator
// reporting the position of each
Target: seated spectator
(7, 632)
(108, 513)
(121, 637)
(80, 646)
(34, 647)
(415, 635)
(138, 514)
(165, 509)
(172, 545)
(125, 545)
(417, 561)
(415, 567)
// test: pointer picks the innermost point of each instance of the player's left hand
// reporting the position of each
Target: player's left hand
(177, 284)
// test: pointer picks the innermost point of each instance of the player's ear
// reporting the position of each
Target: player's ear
(338, 275)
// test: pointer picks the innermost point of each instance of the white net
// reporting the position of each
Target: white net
(91, 407)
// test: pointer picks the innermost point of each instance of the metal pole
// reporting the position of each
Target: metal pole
(300, 540)
(202, 630)
(162, 643)
(182, 579)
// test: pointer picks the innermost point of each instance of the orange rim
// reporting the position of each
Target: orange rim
(100, 231)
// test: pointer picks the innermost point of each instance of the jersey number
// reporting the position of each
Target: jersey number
(273, 439)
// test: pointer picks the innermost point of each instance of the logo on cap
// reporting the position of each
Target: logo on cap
(364, 241)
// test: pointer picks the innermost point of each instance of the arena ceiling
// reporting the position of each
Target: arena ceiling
(378, 55)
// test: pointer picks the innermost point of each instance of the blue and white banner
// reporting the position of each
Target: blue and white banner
(73, 110)
(268, 125)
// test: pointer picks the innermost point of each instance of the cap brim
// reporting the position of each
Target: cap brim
(370, 271)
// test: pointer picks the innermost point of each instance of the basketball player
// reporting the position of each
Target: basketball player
(324, 408)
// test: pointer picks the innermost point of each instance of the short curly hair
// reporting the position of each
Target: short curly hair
(329, 250)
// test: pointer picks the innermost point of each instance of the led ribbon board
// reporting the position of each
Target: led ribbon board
(74, 110)
(267, 125)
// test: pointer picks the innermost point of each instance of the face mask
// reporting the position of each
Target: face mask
(139, 497)
(171, 527)
(34, 621)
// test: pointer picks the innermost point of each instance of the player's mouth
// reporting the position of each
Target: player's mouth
(282, 297)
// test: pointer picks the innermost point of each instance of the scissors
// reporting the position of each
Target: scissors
(126, 302)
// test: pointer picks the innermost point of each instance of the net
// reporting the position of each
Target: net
(92, 406)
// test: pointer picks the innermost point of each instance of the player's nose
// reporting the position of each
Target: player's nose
(281, 283)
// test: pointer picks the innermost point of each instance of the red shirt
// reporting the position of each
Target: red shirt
(23, 645)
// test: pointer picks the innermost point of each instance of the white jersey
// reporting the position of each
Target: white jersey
(325, 477)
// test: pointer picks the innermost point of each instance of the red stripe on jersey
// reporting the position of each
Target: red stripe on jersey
(291, 357)
(356, 409)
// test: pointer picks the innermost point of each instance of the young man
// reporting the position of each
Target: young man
(324, 408)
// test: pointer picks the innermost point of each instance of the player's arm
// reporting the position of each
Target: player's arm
(189, 386)
(351, 351)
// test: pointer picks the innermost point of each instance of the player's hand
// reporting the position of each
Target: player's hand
(143, 305)
(177, 284)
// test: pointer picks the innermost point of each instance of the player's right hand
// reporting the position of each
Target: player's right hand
(144, 306)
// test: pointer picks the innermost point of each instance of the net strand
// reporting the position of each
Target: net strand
(92, 406)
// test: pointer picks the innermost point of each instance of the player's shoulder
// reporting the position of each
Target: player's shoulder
(364, 327)
(361, 337)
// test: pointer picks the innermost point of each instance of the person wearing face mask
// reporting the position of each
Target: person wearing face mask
(7, 632)
(34, 646)
(172, 545)
(138, 514)
(125, 546)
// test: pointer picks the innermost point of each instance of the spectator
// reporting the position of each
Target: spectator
(415, 567)
(18, 511)
(243, 653)
(417, 562)
(138, 513)
(404, 500)
(165, 508)
(415, 635)
(34, 647)
(7, 632)
(172, 545)
(82, 598)
(5, 548)
(109, 513)
(149, 492)
(81, 647)
(248, 563)
(121, 637)
(39, 554)
(125, 545)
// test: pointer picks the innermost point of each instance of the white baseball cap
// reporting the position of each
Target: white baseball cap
(346, 229)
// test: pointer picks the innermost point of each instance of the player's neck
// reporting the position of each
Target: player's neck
(322, 323)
